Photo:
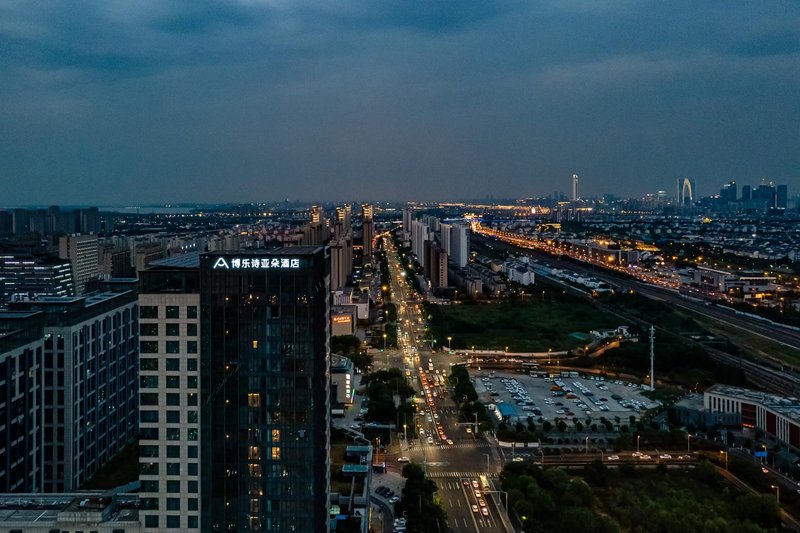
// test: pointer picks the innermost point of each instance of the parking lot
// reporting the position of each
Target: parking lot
(567, 396)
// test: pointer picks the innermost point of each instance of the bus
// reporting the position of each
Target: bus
(484, 482)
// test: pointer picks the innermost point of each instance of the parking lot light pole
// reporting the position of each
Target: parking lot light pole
(688, 443)
(637, 443)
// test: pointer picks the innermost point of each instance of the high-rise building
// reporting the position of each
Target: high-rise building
(728, 192)
(746, 193)
(265, 391)
(782, 197)
(574, 187)
(764, 195)
(21, 396)
(367, 231)
(27, 276)
(686, 192)
(82, 253)
(459, 245)
(444, 236)
(169, 413)
(90, 406)
(420, 233)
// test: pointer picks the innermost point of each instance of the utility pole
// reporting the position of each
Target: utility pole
(652, 357)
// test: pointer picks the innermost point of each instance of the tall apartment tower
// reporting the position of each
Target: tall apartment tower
(265, 390)
(367, 231)
(169, 413)
(574, 187)
(90, 366)
(82, 253)
(21, 396)
(27, 276)
(459, 245)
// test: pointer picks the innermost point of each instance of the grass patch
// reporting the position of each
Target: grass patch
(522, 327)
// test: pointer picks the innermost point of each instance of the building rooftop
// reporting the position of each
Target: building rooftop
(756, 396)
(43, 508)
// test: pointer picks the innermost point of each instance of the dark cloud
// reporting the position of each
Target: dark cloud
(213, 100)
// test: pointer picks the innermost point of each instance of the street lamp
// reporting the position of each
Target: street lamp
(587, 444)
(384, 342)
(449, 350)
(726, 458)
(688, 445)
(637, 443)
(405, 434)
(777, 493)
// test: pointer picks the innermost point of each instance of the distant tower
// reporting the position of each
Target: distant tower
(574, 187)
(652, 357)
(686, 192)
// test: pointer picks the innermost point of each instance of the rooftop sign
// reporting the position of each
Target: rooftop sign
(255, 263)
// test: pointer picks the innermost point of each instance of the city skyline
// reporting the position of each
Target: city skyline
(226, 101)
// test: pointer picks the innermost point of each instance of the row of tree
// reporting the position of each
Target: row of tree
(419, 504)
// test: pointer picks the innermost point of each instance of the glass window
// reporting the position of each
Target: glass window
(173, 330)
(149, 485)
(173, 364)
(148, 311)
(150, 504)
(148, 469)
(191, 398)
(148, 433)
(192, 434)
(173, 433)
(173, 417)
(150, 330)
(173, 504)
(173, 487)
(148, 346)
(192, 521)
(193, 503)
(191, 364)
(173, 398)
(192, 487)
(191, 311)
(173, 469)
(191, 382)
(149, 416)
(148, 398)
(174, 452)
(148, 363)
(192, 417)
(191, 330)
(151, 520)
(191, 346)
(191, 452)
(148, 382)
(173, 347)
(192, 469)
(173, 521)
(173, 382)
(148, 451)
(173, 311)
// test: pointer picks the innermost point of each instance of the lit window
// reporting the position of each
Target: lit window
(254, 400)
(275, 453)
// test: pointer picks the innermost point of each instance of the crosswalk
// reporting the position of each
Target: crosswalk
(468, 445)
(459, 474)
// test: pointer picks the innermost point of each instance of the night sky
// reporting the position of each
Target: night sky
(124, 102)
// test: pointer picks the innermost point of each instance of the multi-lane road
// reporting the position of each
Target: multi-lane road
(447, 449)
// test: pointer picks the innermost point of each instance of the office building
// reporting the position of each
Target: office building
(728, 192)
(169, 412)
(746, 193)
(265, 390)
(82, 253)
(90, 407)
(21, 396)
(367, 232)
(420, 233)
(574, 187)
(25, 276)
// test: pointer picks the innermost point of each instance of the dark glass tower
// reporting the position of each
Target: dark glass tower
(265, 390)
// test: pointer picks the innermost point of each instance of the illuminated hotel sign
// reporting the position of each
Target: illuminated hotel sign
(255, 263)
(341, 319)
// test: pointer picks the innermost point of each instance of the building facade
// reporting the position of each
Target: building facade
(21, 386)
(169, 443)
(90, 405)
(265, 390)
(82, 253)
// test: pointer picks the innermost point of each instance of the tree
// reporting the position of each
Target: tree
(562, 426)
(761, 509)
(547, 426)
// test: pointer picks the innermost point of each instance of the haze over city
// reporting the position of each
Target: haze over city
(208, 101)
